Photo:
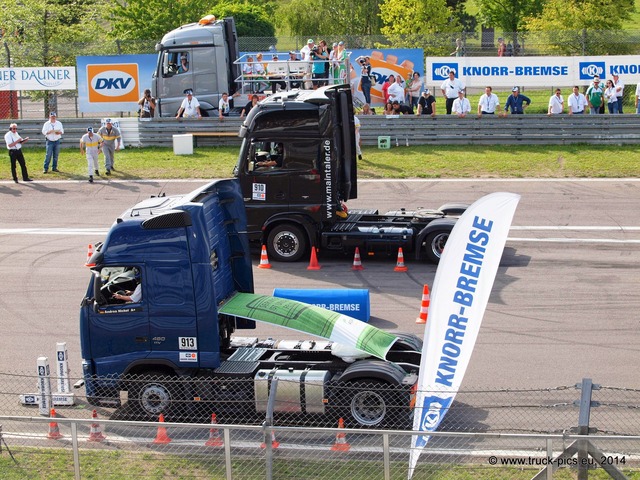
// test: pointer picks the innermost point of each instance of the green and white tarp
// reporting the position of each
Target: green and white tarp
(313, 320)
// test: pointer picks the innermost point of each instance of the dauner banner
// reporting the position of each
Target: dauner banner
(38, 78)
(459, 297)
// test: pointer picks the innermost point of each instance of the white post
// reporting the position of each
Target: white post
(44, 386)
(62, 367)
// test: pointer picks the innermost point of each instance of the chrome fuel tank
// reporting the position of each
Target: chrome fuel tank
(299, 391)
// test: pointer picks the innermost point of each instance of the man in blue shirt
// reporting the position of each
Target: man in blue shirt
(516, 102)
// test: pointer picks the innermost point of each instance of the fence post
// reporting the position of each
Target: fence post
(74, 446)
(385, 456)
(268, 424)
(227, 452)
(549, 455)
(583, 427)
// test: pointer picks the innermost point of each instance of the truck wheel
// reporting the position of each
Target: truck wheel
(286, 243)
(368, 406)
(153, 393)
(434, 245)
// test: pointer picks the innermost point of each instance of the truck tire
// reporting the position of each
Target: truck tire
(434, 244)
(154, 393)
(368, 406)
(286, 243)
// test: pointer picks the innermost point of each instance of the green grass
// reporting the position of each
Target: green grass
(45, 463)
(521, 161)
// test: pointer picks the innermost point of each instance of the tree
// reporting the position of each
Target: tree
(419, 23)
(151, 19)
(348, 17)
(46, 33)
(607, 38)
(509, 15)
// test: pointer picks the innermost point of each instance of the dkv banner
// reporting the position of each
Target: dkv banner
(459, 297)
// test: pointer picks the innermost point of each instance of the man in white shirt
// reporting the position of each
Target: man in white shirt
(450, 89)
(617, 83)
(577, 102)
(488, 103)
(53, 131)
(305, 52)
(14, 144)
(190, 106)
(396, 91)
(224, 106)
(556, 103)
(461, 105)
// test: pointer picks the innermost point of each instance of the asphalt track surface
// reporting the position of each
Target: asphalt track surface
(564, 304)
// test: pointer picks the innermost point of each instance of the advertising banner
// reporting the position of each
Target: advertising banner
(531, 71)
(400, 61)
(461, 289)
(113, 83)
(38, 78)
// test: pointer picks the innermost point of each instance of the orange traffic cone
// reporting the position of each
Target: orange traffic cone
(89, 255)
(341, 444)
(400, 266)
(162, 436)
(313, 262)
(274, 442)
(424, 305)
(214, 434)
(95, 434)
(264, 260)
(357, 263)
(54, 430)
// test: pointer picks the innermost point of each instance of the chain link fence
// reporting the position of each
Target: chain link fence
(223, 428)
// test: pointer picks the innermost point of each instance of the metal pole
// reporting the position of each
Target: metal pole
(385, 456)
(583, 427)
(268, 423)
(227, 452)
(76, 457)
(549, 455)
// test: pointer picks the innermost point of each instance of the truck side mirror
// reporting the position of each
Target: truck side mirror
(97, 290)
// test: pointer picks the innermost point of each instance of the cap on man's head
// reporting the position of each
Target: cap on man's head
(340, 43)
(309, 41)
(616, 75)
(335, 44)
(461, 90)
(89, 129)
(515, 89)
(188, 91)
(108, 120)
(426, 92)
(52, 114)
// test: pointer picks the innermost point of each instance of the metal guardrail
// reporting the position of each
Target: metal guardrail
(402, 130)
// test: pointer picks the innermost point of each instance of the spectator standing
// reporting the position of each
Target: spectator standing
(53, 131)
(190, 107)
(90, 144)
(224, 106)
(595, 96)
(619, 86)
(611, 97)
(147, 105)
(488, 103)
(305, 52)
(516, 103)
(249, 106)
(413, 88)
(385, 87)
(461, 105)
(450, 88)
(502, 47)
(396, 91)
(339, 63)
(459, 51)
(110, 143)
(556, 103)
(14, 144)
(508, 51)
(577, 102)
(427, 104)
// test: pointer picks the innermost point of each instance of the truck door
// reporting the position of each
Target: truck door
(175, 74)
(119, 329)
(281, 175)
(172, 317)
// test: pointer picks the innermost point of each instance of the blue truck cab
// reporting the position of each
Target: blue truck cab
(188, 255)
